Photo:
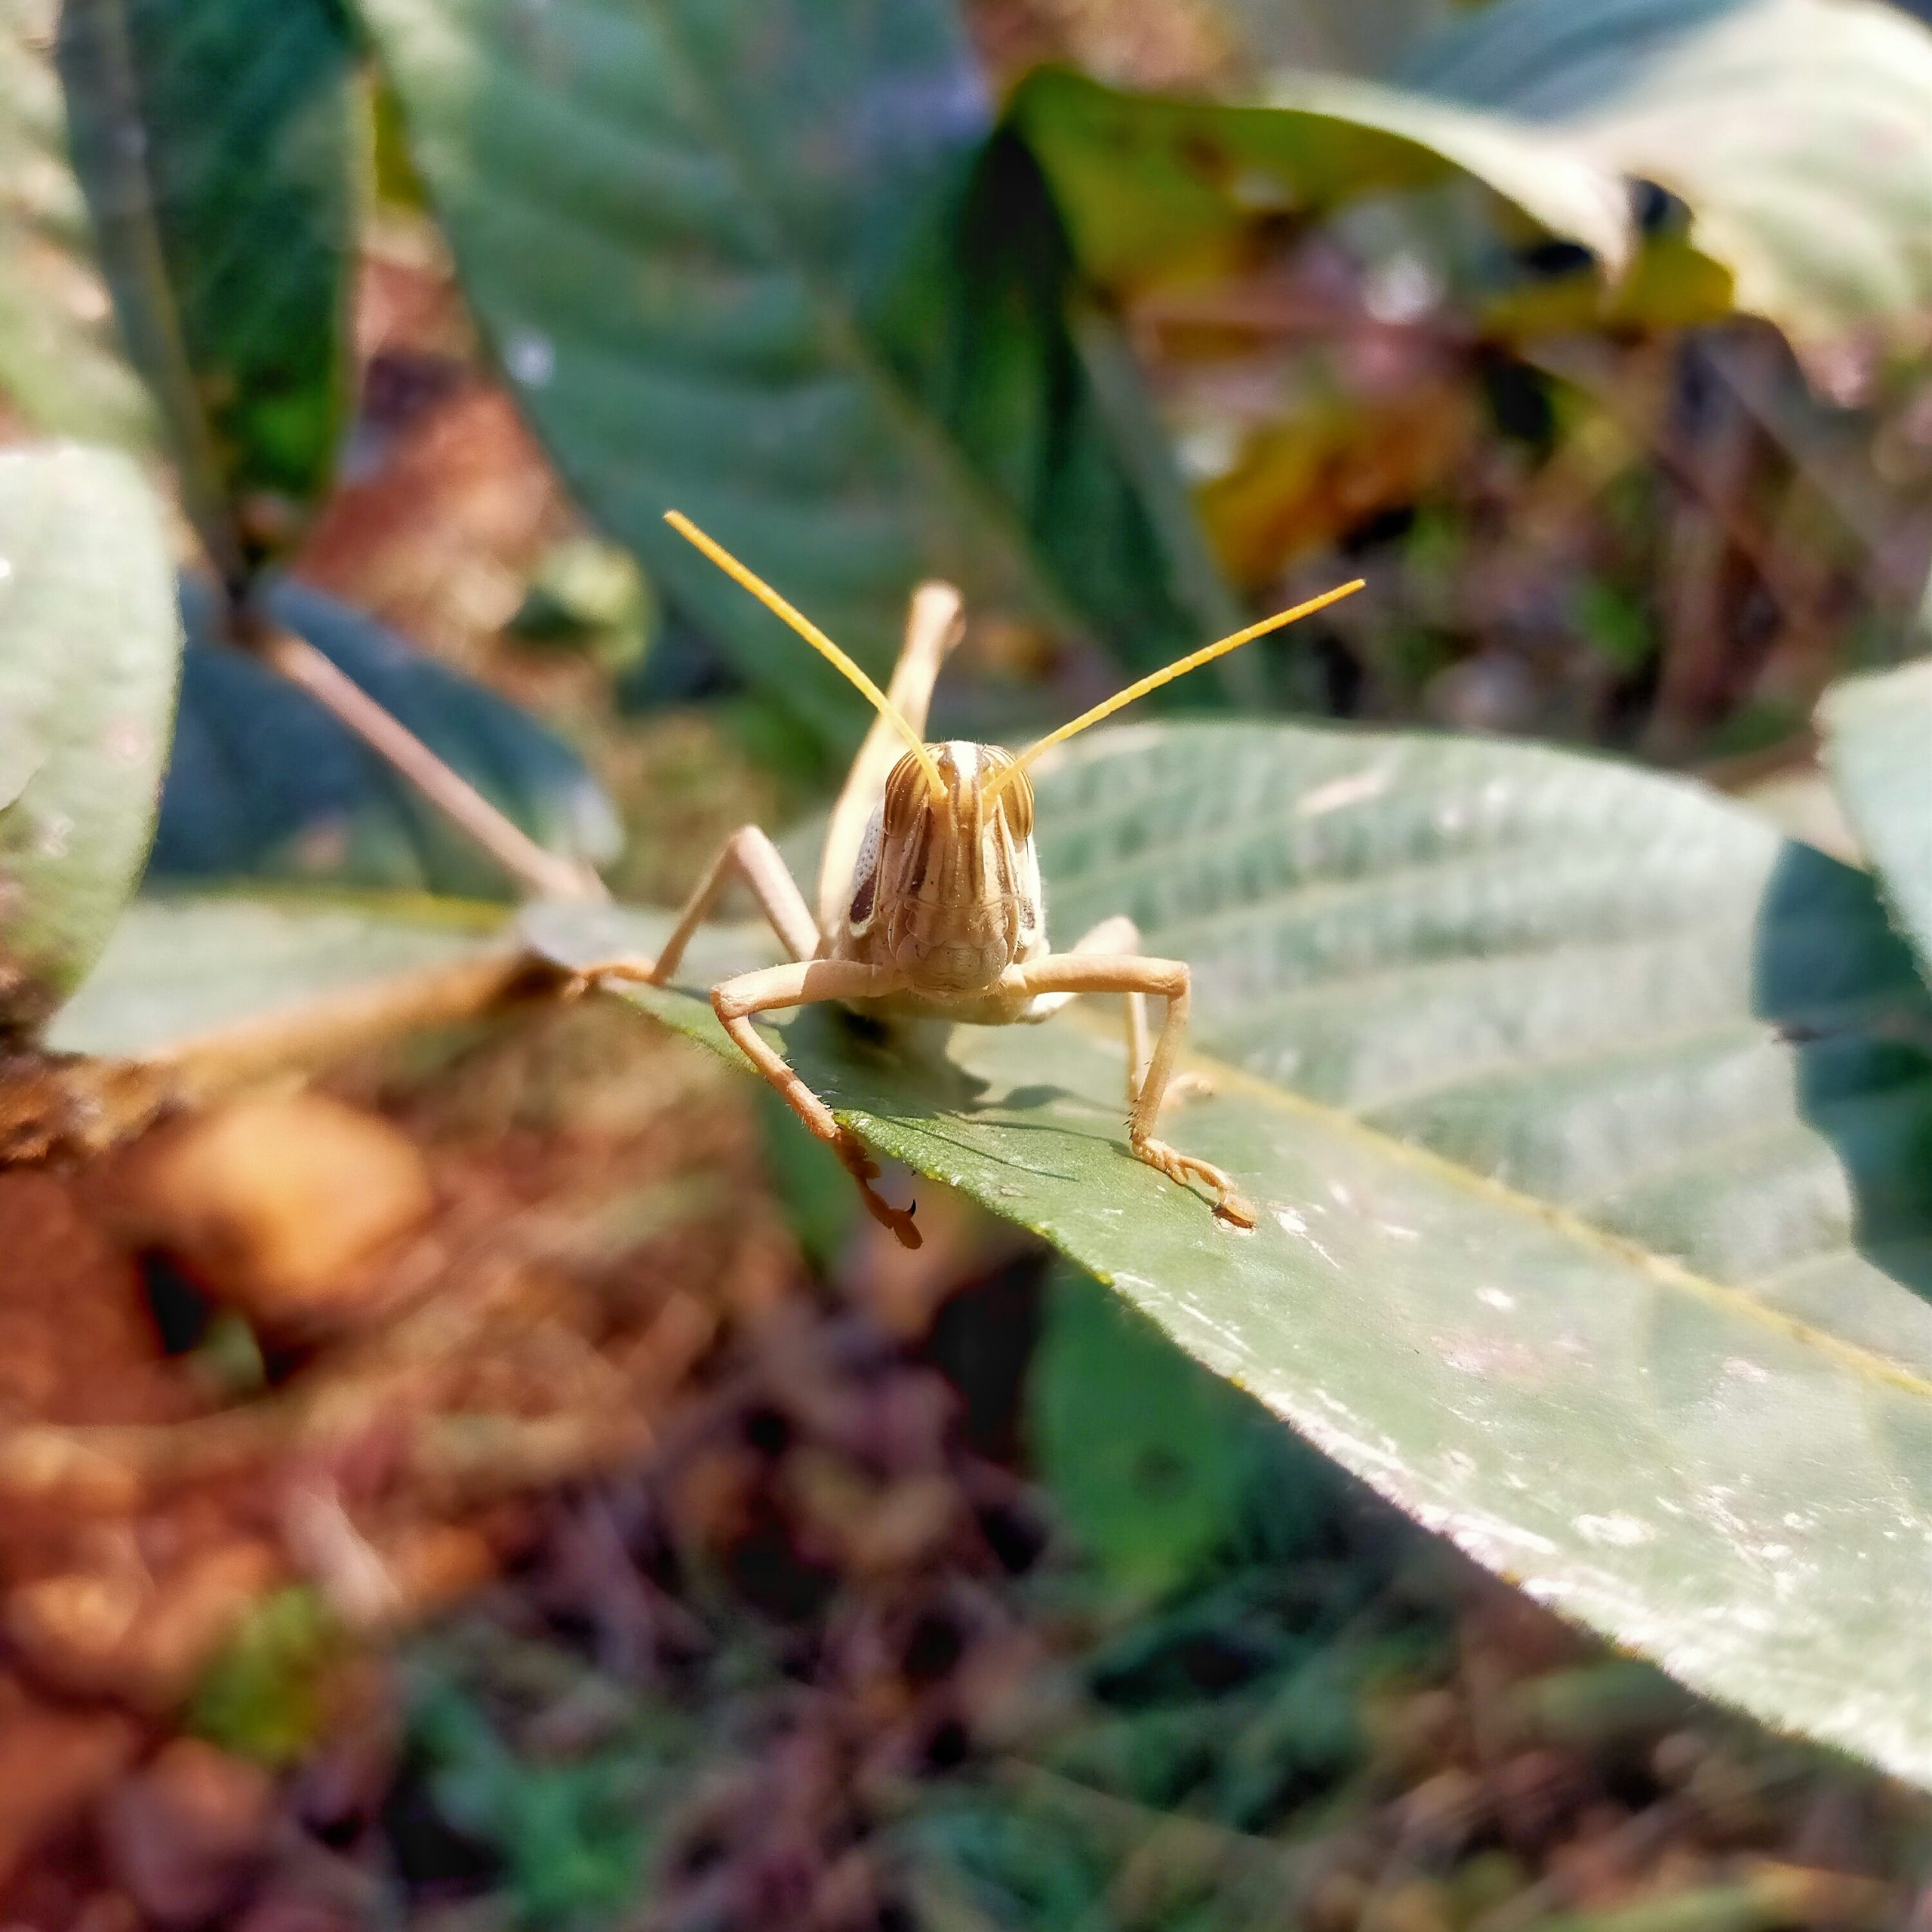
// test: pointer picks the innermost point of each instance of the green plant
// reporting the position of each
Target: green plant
(1591, 1121)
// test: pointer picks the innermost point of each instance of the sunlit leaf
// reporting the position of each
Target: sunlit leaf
(1797, 132)
(1590, 1125)
(1878, 732)
(758, 261)
(89, 645)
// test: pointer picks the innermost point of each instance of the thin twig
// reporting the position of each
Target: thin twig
(541, 873)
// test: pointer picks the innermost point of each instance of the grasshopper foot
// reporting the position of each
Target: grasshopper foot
(863, 1169)
(1184, 1168)
(641, 972)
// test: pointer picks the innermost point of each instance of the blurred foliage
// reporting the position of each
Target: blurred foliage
(1157, 1465)
(574, 1835)
(89, 645)
(1879, 743)
(266, 1697)
(1593, 336)
(61, 363)
(217, 145)
(851, 342)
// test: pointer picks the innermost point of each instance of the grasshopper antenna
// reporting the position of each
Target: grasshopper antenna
(813, 636)
(1193, 661)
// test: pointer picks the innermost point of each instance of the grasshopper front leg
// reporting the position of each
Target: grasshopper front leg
(1131, 974)
(805, 984)
(749, 855)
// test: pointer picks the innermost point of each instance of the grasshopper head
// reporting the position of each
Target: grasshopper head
(950, 878)
(948, 868)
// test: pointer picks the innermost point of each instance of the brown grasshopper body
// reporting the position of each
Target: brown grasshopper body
(929, 901)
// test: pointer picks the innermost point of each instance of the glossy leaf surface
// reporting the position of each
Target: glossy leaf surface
(1588, 1122)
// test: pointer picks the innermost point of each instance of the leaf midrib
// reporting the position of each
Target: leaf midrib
(1660, 1269)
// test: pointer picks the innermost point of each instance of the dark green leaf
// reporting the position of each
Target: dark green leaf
(1590, 1125)
(1878, 731)
(1152, 1461)
(218, 143)
(1797, 132)
(61, 365)
(264, 783)
(89, 645)
(757, 261)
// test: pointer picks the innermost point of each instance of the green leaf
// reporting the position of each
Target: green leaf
(1878, 732)
(61, 365)
(265, 1695)
(758, 261)
(89, 647)
(176, 969)
(1797, 132)
(265, 784)
(1590, 1126)
(1152, 1461)
(219, 143)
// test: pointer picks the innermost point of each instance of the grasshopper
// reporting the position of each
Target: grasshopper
(929, 899)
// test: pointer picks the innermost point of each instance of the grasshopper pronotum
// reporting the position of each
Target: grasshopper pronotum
(929, 900)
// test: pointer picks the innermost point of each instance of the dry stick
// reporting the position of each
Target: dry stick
(540, 873)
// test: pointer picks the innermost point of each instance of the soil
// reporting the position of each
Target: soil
(545, 1540)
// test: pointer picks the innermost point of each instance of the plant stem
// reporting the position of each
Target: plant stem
(542, 873)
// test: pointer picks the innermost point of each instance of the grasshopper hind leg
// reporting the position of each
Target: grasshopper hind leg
(806, 983)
